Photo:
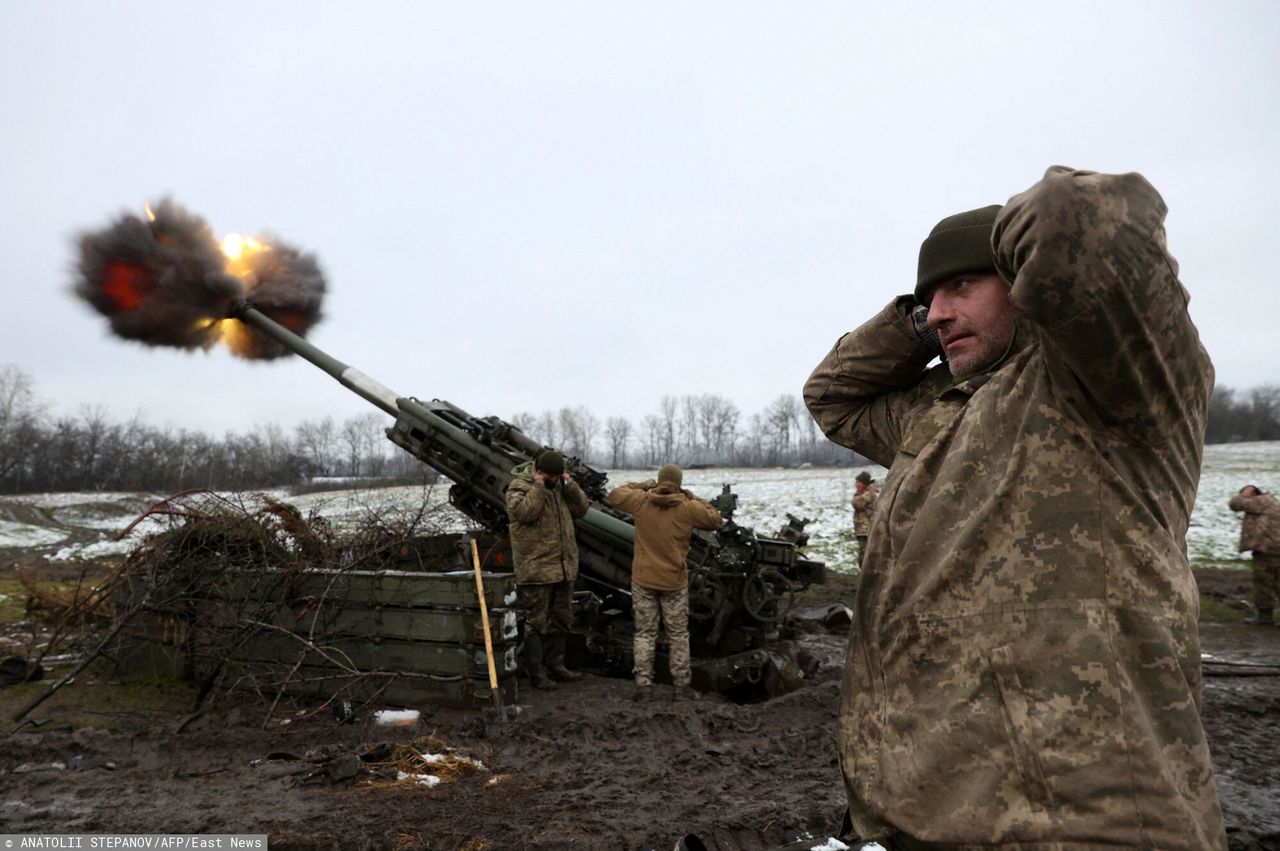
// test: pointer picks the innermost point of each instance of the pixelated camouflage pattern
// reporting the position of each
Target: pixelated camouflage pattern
(544, 546)
(547, 607)
(863, 505)
(1024, 663)
(1260, 528)
(1266, 580)
(673, 608)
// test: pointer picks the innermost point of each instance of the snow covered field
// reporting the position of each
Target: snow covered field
(79, 526)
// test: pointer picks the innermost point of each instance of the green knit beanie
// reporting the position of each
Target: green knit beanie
(670, 473)
(956, 245)
(550, 462)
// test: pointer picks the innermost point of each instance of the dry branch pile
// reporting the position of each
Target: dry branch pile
(224, 573)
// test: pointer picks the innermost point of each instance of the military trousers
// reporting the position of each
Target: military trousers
(862, 548)
(1266, 580)
(547, 607)
(672, 609)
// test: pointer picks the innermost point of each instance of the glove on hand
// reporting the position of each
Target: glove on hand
(926, 332)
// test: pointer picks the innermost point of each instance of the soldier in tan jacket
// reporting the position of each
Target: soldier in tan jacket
(1260, 532)
(665, 517)
(1024, 662)
(542, 503)
(865, 492)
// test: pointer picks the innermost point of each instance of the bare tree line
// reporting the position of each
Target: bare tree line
(43, 451)
(1242, 416)
(693, 430)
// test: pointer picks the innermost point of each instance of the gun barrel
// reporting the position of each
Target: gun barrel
(348, 376)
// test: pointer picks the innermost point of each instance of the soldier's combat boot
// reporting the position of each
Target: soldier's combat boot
(533, 650)
(555, 659)
(1264, 617)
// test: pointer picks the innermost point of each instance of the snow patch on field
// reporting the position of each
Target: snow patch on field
(348, 509)
(130, 503)
(765, 497)
(22, 535)
(99, 549)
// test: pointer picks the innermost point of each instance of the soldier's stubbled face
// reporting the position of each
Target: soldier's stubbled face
(974, 319)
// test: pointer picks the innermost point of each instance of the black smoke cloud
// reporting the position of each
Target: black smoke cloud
(159, 282)
(166, 282)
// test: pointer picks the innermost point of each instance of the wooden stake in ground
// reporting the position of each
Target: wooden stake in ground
(494, 692)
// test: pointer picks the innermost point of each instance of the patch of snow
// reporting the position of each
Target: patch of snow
(82, 552)
(833, 844)
(419, 779)
(433, 758)
(396, 717)
(25, 535)
(133, 502)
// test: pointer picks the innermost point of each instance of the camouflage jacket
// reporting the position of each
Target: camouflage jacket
(665, 519)
(543, 543)
(863, 504)
(1260, 530)
(1024, 662)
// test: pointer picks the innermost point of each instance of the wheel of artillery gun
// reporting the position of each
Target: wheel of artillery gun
(763, 593)
(706, 594)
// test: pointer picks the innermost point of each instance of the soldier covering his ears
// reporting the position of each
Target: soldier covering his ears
(542, 503)
(1024, 661)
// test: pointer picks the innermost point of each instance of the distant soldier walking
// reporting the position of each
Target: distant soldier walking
(542, 503)
(1260, 532)
(665, 517)
(865, 491)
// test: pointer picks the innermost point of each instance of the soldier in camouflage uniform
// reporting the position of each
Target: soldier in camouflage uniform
(1260, 532)
(865, 492)
(665, 517)
(542, 503)
(1024, 662)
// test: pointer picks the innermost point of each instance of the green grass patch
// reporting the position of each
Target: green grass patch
(13, 599)
(1216, 611)
(99, 697)
(1203, 563)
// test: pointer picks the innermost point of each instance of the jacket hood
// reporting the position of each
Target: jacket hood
(523, 471)
(666, 495)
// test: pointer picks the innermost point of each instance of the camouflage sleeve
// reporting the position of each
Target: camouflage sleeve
(577, 499)
(628, 497)
(525, 501)
(1086, 256)
(863, 390)
(1256, 504)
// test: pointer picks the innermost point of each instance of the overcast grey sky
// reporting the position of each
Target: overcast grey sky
(521, 206)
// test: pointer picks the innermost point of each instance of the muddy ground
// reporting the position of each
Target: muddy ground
(583, 767)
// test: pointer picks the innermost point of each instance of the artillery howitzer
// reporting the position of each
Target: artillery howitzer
(739, 583)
